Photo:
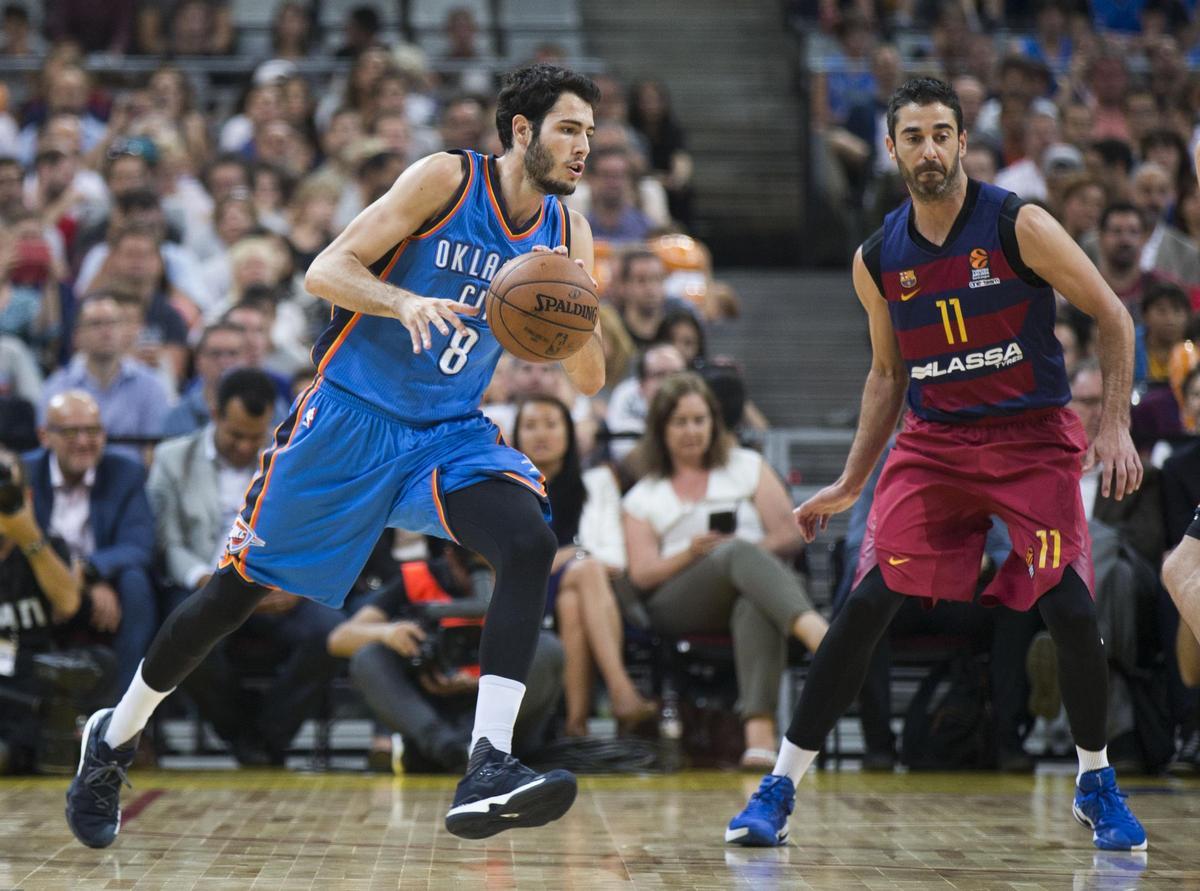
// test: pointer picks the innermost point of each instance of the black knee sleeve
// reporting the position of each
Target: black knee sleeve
(503, 523)
(195, 627)
(840, 664)
(1070, 616)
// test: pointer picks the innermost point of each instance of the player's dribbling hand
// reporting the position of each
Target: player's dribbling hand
(418, 313)
(814, 514)
(562, 249)
(1120, 466)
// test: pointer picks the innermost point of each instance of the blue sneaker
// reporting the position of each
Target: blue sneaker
(499, 792)
(94, 797)
(764, 821)
(1100, 806)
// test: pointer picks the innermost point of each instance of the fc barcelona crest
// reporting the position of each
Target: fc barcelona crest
(908, 278)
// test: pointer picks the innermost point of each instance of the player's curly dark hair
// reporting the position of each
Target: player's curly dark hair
(923, 91)
(532, 91)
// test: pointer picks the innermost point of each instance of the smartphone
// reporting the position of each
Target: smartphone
(723, 521)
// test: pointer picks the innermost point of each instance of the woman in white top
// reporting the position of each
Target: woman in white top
(705, 531)
(580, 599)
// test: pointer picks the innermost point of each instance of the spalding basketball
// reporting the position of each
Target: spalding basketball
(542, 307)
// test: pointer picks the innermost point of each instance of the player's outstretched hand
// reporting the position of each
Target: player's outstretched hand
(815, 512)
(418, 313)
(1120, 466)
(562, 249)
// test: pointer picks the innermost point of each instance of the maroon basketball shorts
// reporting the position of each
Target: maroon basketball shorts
(942, 484)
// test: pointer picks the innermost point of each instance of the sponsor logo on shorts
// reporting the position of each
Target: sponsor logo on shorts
(908, 278)
(996, 357)
(897, 561)
(241, 537)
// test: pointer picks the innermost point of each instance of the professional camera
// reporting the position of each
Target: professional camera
(448, 647)
(11, 496)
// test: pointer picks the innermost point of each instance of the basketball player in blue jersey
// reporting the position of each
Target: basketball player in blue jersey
(390, 435)
(959, 288)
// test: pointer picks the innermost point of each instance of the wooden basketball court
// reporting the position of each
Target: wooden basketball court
(288, 830)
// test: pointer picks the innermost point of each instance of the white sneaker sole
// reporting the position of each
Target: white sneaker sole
(535, 804)
(88, 729)
(736, 836)
(1081, 818)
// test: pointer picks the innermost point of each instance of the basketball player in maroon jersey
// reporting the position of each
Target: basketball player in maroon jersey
(959, 287)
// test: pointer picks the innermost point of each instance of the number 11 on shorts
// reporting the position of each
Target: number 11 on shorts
(1044, 536)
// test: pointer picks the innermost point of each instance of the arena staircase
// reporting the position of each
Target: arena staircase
(732, 89)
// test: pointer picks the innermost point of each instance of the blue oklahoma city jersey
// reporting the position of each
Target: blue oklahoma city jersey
(454, 257)
(974, 324)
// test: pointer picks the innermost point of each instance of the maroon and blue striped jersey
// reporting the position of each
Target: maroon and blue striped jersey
(975, 325)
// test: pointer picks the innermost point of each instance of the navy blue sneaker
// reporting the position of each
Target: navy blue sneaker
(499, 792)
(763, 823)
(1100, 806)
(94, 797)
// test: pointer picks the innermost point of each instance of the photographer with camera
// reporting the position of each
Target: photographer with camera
(420, 674)
(95, 500)
(40, 602)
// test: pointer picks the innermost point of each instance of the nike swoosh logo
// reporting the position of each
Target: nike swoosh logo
(909, 295)
(896, 561)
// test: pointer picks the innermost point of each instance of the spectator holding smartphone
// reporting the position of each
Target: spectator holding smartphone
(705, 531)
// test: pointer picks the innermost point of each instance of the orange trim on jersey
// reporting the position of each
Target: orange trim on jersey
(466, 190)
(437, 503)
(241, 570)
(336, 345)
(562, 212)
(345, 332)
(539, 488)
(500, 214)
(387, 270)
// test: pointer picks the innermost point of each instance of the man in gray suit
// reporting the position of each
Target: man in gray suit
(197, 486)
(1167, 250)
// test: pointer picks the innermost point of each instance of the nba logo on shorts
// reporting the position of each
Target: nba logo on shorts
(1029, 560)
(309, 416)
(908, 278)
(241, 537)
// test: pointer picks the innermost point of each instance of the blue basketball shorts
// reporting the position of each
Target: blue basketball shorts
(339, 472)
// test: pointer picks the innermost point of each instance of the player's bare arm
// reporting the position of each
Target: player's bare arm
(585, 368)
(883, 397)
(341, 273)
(1049, 251)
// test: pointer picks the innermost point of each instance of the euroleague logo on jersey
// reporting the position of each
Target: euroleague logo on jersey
(981, 270)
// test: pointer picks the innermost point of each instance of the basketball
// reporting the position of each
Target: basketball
(542, 307)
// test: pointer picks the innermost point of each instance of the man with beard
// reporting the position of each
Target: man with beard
(392, 437)
(959, 287)
(1121, 237)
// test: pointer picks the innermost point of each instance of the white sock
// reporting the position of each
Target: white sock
(1091, 760)
(133, 711)
(496, 711)
(793, 761)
